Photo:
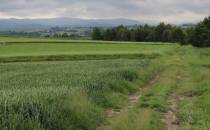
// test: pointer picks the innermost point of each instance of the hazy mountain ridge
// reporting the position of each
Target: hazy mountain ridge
(62, 22)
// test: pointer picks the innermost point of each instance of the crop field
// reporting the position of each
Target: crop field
(16, 39)
(91, 85)
(37, 50)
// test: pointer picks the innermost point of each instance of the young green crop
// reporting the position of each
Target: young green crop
(65, 95)
(38, 49)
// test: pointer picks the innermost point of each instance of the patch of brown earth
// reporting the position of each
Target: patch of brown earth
(170, 119)
(132, 99)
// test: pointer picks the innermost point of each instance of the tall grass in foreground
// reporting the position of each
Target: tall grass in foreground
(194, 110)
(147, 114)
(67, 95)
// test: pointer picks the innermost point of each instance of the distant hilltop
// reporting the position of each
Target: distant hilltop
(9, 24)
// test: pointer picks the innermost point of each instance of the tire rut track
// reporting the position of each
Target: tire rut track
(132, 99)
(170, 119)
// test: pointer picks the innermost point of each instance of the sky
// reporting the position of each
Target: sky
(170, 11)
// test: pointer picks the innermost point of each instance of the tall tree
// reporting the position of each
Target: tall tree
(201, 35)
(96, 34)
(178, 35)
(159, 32)
(123, 33)
(110, 34)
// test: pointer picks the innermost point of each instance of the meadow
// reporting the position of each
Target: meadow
(37, 49)
(94, 93)
(34, 49)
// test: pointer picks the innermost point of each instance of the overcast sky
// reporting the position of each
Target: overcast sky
(171, 11)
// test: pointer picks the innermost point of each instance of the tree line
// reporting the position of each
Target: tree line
(198, 36)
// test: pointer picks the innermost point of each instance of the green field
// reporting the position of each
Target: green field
(39, 49)
(16, 39)
(90, 85)
(33, 49)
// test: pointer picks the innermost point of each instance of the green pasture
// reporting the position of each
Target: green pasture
(86, 78)
(67, 95)
(37, 49)
(40, 49)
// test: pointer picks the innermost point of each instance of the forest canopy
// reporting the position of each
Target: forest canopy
(198, 36)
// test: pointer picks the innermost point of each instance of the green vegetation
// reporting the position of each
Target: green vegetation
(13, 52)
(6, 39)
(77, 83)
(201, 34)
(37, 49)
(161, 33)
(195, 91)
(66, 95)
(185, 81)
(198, 36)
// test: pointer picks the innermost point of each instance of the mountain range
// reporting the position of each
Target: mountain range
(10, 24)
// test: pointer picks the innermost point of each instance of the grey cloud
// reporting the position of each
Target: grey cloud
(159, 10)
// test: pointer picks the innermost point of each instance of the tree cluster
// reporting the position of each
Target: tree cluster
(198, 36)
(65, 35)
(161, 33)
(201, 34)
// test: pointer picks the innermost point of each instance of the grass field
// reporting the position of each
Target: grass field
(37, 49)
(116, 90)
(17, 39)
(40, 87)
(75, 50)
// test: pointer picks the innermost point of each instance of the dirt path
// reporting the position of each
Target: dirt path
(170, 119)
(132, 99)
